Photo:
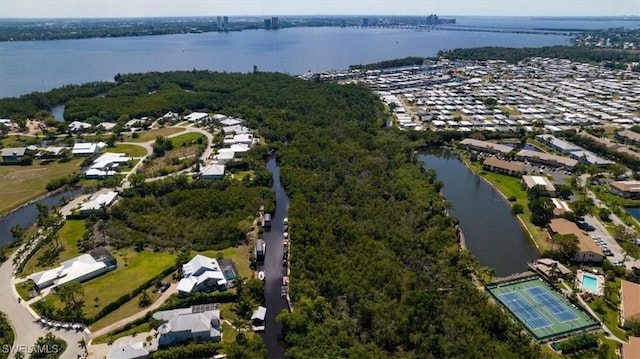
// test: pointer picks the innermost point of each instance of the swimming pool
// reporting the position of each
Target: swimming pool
(590, 283)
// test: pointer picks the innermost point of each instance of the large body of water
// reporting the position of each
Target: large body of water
(42, 65)
(491, 232)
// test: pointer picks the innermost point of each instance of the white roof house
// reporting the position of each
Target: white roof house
(213, 171)
(87, 148)
(78, 126)
(224, 157)
(95, 202)
(201, 273)
(133, 350)
(235, 129)
(239, 147)
(244, 138)
(229, 121)
(80, 268)
(196, 117)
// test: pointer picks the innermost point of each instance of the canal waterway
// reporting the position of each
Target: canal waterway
(492, 233)
(26, 215)
(634, 212)
(273, 268)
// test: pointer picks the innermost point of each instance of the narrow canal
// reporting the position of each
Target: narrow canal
(492, 233)
(273, 268)
(25, 216)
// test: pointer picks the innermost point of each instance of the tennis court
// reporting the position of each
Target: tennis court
(543, 311)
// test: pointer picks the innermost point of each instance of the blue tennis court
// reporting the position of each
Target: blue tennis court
(551, 304)
(540, 308)
(524, 310)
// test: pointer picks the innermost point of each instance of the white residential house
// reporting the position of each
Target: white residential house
(76, 126)
(197, 117)
(183, 325)
(105, 165)
(230, 122)
(243, 138)
(202, 273)
(224, 157)
(107, 125)
(87, 148)
(213, 171)
(96, 203)
(81, 268)
(235, 129)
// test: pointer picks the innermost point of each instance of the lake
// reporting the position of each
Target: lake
(42, 65)
(491, 232)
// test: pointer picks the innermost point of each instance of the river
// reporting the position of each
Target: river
(26, 215)
(272, 267)
(492, 233)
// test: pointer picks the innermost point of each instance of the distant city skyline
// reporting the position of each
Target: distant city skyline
(171, 8)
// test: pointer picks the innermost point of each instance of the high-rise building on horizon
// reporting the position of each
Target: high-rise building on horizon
(267, 24)
(220, 23)
(365, 21)
(225, 22)
(275, 22)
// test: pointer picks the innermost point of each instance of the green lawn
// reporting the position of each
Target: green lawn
(23, 289)
(239, 255)
(242, 174)
(607, 313)
(20, 184)
(130, 150)
(617, 204)
(69, 235)
(228, 333)
(510, 186)
(126, 310)
(147, 136)
(134, 268)
(186, 139)
(142, 328)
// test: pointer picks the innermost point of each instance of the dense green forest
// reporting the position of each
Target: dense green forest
(407, 61)
(376, 267)
(573, 53)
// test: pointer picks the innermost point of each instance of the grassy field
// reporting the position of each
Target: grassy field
(23, 289)
(147, 136)
(186, 139)
(69, 235)
(126, 310)
(21, 184)
(142, 328)
(130, 150)
(134, 268)
(510, 186)
(608, 314)
(172, 161)
(239, 255)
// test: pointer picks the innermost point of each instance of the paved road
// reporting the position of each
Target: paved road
(23, 319)
(601, 230)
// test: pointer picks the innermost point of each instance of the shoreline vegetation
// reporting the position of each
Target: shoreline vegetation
(539, 240)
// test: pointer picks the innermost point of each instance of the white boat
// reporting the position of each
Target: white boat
(261, 275)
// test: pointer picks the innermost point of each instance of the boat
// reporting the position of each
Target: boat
(261, 275)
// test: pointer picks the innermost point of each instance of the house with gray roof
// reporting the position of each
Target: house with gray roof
(13, 154)
(133, 350)
(188, 325)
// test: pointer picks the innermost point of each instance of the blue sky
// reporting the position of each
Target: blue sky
(152, 8)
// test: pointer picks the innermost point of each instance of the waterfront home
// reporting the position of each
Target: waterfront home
(81, 269)
(188, 325)
(511, 168)
(631, 350)
(484, 146)
(132, 350)
(13, 154)
(625, 189)
(629, 304)
(202, 273)
(588, 250)
(98, 202)
(528, 182)
(103, 166)
(547, 159)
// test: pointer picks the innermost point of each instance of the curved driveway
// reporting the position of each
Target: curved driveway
(23, 319)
